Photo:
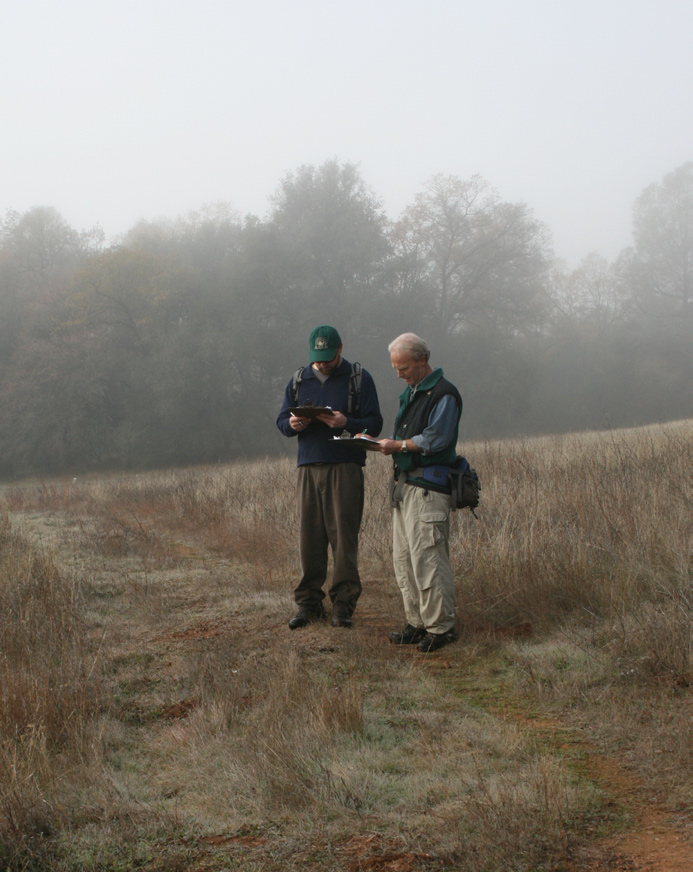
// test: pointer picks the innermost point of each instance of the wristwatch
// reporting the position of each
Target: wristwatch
(404, 446)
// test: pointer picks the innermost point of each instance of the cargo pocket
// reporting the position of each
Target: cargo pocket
(432, 528)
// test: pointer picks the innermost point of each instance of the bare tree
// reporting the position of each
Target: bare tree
(479, 261)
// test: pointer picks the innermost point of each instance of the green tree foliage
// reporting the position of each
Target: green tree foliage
(39, 253)
(59, 398)
(661, 265)
(470, 274)
(42, 248)
(607, 361)
(174, 346)
(590, 293)
(330, 252)
(330, 230)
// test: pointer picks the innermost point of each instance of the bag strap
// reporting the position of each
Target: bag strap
(354, 399)
(296, 383)
(399, 479)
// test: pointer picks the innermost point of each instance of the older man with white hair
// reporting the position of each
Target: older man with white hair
(424, 448)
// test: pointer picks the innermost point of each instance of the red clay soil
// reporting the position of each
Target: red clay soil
(369, 854)
(206, 630)
(655, 843)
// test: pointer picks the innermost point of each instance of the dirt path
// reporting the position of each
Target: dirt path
(657, 841)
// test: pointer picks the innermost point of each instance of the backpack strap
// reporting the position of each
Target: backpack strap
(354, 401)
(296, 383)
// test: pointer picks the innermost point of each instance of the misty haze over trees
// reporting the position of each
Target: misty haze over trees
(174, 345)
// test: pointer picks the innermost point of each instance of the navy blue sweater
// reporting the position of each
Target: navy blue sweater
(315, 443)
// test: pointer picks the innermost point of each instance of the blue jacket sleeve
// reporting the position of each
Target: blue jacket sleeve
(284, 414)
(440, 430)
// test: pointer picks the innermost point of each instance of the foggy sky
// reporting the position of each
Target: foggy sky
(117, 111)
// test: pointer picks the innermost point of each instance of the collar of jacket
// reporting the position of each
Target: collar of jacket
(431, 379)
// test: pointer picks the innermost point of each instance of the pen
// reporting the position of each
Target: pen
(364, 431)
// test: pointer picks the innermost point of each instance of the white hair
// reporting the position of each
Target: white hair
(412, 344)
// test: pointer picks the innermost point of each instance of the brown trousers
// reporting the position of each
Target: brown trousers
(329, 499)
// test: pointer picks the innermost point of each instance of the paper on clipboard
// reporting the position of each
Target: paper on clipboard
(368, 443)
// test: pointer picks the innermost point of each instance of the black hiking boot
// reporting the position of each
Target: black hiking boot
(434, 641)
(306, 615)
(341, 616)
(408, 636)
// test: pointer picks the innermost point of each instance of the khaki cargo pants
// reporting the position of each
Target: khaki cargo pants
(421, 558)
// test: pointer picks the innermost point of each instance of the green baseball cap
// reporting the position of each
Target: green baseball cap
(324, 343)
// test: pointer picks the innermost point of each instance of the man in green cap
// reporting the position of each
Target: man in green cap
(424, 448)
(329, 494)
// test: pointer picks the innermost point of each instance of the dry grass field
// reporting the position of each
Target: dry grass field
(157, 714)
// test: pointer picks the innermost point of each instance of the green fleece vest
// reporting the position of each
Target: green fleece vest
(412, 419)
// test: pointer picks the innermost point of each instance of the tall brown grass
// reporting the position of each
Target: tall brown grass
(50, 686)
(154, 695)
(591, 531)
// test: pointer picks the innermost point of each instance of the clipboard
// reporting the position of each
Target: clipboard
(368, 443)
(310, 411)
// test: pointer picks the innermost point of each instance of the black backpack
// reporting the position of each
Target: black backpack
(465, 486)
(354, 400)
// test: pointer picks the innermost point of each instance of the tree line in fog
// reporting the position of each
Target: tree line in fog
(174, 345)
